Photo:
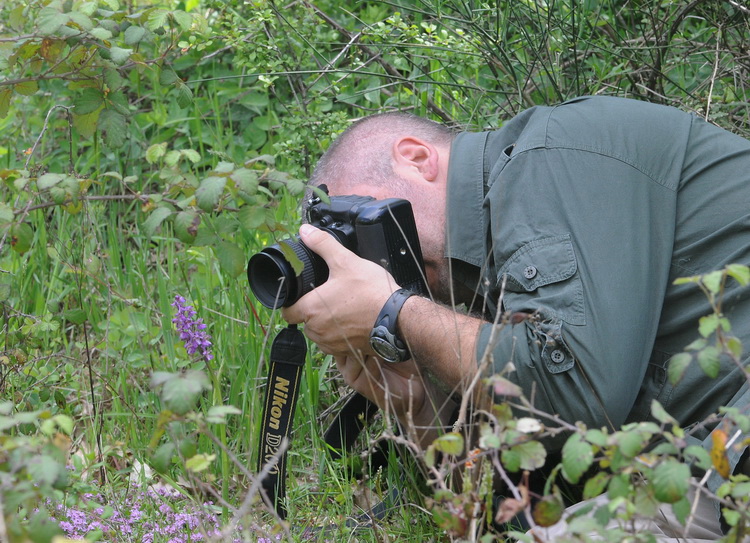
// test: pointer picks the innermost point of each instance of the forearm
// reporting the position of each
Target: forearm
(442, 341)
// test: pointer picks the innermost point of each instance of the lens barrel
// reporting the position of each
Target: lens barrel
(272, 277)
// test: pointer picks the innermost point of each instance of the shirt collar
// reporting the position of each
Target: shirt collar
(466, 223)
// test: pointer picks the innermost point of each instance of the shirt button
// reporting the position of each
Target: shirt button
(530, 272)
(557, 356)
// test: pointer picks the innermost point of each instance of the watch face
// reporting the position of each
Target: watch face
(385, 350)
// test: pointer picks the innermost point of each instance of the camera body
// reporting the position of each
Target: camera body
(382, 231)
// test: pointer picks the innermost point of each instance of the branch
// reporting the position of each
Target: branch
(107, 197)
(44, 130)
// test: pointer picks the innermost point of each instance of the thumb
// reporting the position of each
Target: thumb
(321, 242)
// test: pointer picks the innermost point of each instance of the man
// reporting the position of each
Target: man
(583, 215)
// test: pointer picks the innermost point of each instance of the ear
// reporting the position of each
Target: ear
(414, 156)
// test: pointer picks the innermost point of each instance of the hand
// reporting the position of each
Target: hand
(395, 388)
(340, 313)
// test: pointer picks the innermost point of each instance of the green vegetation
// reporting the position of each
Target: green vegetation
(147, 149)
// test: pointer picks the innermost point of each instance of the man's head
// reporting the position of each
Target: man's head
(397, 155)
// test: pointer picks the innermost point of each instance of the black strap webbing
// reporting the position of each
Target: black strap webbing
(288, 353)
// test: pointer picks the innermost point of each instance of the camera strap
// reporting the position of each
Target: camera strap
(288, 353)
(287, 359)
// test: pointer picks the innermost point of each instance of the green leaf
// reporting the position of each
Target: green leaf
(76, 315)
(218, 413)
(709, 361)
(43, 469)
(699, 455)
(681, 510)
(677, 366)
(252, 217)
(687, 280)
(629, 442)
(172, 158)
(167, 76)
(181, 393)
(49, 180)
(548, 510)
(209, 192)
(184, 95)
(157, 19)
(27, 88)
(200, 462)
(161, 460)
(100, 33)
(155, 152)
(740, 273)
(158, 378)
(80, 20)
(708, 324)
(186, 225)
(531, 455)
(6, 213)
(595, 485)
(5, 95)
(88, 101)
(64, 423)
(119, 56)
(114, 127)
(712, 281)
(671, 481)
(660, 414)
(49, 20)
(246, 180)
(16, 18)
(224, 167)
(231, 258)
(134, 34)
(21, 236)
(116, 100)
(450, 443)
(184, 20)
(292, 257)
(86, 124)
(577, 457)
(735, 346)
(191, 154)
(154, 220)
(113, 79)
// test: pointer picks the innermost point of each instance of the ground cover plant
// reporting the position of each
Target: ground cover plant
(147, 149)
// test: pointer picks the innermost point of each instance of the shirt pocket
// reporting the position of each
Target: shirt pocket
(542, 276)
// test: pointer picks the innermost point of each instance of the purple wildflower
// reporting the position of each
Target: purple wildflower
(192, 329)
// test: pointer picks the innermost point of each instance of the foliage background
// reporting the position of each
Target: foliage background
(147, 149)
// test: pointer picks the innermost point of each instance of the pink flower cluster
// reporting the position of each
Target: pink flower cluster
(192, 329)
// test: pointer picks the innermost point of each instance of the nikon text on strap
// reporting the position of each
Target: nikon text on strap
(288, 353)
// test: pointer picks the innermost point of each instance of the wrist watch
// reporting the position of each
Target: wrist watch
(383, 338)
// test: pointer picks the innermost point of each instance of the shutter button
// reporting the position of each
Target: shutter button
(557, 356)
(529, 272)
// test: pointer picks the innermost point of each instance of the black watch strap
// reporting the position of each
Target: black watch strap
(383, 338)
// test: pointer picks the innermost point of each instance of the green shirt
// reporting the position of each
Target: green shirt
(584, 214)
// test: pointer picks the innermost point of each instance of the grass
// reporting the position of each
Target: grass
(86, 310)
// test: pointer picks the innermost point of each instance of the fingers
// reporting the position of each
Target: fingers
(323, 243)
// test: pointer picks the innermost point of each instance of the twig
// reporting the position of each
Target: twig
(3, 529)
(44, 130)
(702, 482)
(713, 75)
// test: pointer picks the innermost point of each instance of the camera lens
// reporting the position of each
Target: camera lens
(272, 278)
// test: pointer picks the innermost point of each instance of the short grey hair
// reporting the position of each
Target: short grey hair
(362, 153)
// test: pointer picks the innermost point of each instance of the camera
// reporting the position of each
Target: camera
(382, 231)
